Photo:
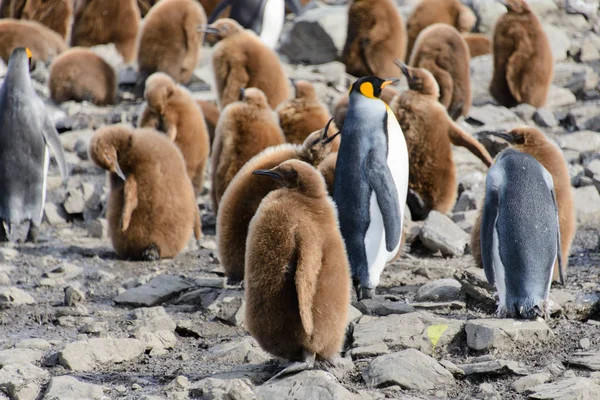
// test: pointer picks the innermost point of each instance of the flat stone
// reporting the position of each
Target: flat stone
(229, 309)
(579, 306)
(578, 78)
(244, 351)
(154, 327)
(439, 305)
(212, 388)
(86, 355)
(491, 115)
(572, 388)
(439, 290)
(529, 381)
(155, 292)
(440, 233)
(411, 330)
(210, 282)
(589, 359)
(382, 307)
(544, 118)
(35, 344)
(465, 219)
(8, 254)
(584, 117)
(504, 333)
(409, 368)
(450, 366)
(23, 381)
(13, 296)
(69, 388)
(559, 97)
(73, 296)
(587, 203)
(20, 356)
(369, 351)
(494, 367)
(4, 279)
(315, 384)
(476, 288)
(55, 214)
(581, 142)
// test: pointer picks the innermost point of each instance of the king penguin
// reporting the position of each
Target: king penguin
(26, 132)
(520, 238)
(371, 183)
(264, 17)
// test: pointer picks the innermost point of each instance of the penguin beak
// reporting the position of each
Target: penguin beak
(119, 171)
(242, 94)
(326, 131)
(403, 68)
(207, 29)
(330, 138)
(389, 82)
(502, 135)
(267, 172)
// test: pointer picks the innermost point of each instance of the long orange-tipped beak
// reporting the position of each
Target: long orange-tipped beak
(389, 82)
(28, 52)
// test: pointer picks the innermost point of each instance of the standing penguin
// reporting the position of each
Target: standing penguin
(520, 240)
(26, 132)
(371, 183)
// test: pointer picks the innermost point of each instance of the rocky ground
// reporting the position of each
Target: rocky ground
(76, 322)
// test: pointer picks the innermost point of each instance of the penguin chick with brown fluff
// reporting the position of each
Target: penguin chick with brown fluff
(151, 209)
(376, 37)
(55, 14)
(297, 278)
(108, 21)
(340, 109)
(535, 143)
(429, 12)
(211, 116)
(441, 50)
(241, 60)
(171, 110)
(170, 40)
(245, 192)
(478, 43)
(304, 114)
(523, 61)
(245, 128)
(44, 43)
(429, 133)
(80, 74)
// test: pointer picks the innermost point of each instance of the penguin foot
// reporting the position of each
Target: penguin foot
(151, 253)
(295, 367)
(33, 234)
(364, 293)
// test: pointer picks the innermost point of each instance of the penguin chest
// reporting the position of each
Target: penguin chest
(397, 158)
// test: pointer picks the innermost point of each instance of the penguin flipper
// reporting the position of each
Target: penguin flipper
(51, 138)
(382, 183)
(130, 201)
(488, 224)
(307, 272)
(218, 11)
(561, 271)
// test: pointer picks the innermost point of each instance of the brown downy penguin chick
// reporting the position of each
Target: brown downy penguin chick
(80, 74)
(523, 61)
(441, 50)
(535, 143)
(429, 12)
(245, 192)
(44, 43)
(107, 21)
(304, 114)
(341, 106)
(327, 169)
(171, 109)
(177, 20)
(211, 116)
(245, 128)
(5, 8)
(55, 14)
(478, 43)
(151, 209)
(376, 37)
(242, 60)
(429, 133)
(297, 278)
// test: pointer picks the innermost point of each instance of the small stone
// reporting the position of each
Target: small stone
(178, 388)
(245, 351)
(559, 41)
(20, 356)
(544, 118)
(491, 115)
(353, 314)
(572, 388)
(13, 296)
(440, 233)
(95, 328)
(581, 142)
(494, 367)
(74, 202)
(380, 306)
(98, 228)
(503, 333)
(212, 388)
(210, 282)
(369, 351)
(86, 355)
(584, 343)
(587, 203)
(64, 271)
(439, 290)
(7, 254)
(73, 296)
(466, 201)
(450, 366)
(35, 344)
(488, 391)
(69, 388)
(529, 381)
(305, 385)
(23, 381)
(157, 291)
(559, 97)
(229, 309)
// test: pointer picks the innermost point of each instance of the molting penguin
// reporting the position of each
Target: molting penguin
(26, 132)
(371, 183)
(265, 17)
(520, 239)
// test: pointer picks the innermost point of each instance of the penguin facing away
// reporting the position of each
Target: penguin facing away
(26, 133)
(371, 183)
(520, 238)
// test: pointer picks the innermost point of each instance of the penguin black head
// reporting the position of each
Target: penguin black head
(371, 86)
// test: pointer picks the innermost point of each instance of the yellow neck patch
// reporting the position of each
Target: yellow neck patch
(367, 90)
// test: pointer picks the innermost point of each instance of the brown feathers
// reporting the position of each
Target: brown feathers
(44, 43)
(479, 44)
(55, 14)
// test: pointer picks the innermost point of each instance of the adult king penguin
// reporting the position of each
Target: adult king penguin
(265, 17)
(371, 183)
(26, 132)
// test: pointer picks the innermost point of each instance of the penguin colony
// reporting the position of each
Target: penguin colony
(301, 212)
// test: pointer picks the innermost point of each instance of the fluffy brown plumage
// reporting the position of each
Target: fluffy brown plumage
(478, 43)
(533, 142)
(171, 109)
(107, 21)
(44, 43)
(241, 60)
(151, 210)
(429, 12)
(80, 74)
(376, 37)
(145, 6)
(297, 273)
(523, 62)
(211, 116)
(441, 50)
(302, 115)
(429, 134)
(245, 192)
(55, 14)
(245, 128)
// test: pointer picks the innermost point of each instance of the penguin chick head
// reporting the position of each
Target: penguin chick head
(304, 90)
(221, 29)
(516, 6)
(105, 146)
(317, 145)
(159, 87)
(523, 136)
(297, 175)
(419, 79)
(254, 97)
(370, 86)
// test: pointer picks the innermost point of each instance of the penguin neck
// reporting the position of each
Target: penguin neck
(363, 112)
(18, 75)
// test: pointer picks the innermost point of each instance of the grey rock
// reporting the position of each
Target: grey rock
(210, 282)
(581, 142)
(544, 118)
(585, 117)
(476, 288)
(178, 388)
(354, 314)
(73, 296)
(529, 381)
(584, 343)
(482, 68)
(450, 366)
(98, 228)
(589, 359)
(593, 168)
(221, 389)
(466, 201)
(64, 271)
(229, 309)
(587, 204)
(4, 279)
(86, 355)
(409, 368)
(488, 392)
(23, 381)
(504, 333)
(465, 219)
(13, 296)
(55, 214)
(572, 388)
(559, 97)
(35, 344)
(318, 385)
(69, 388)
(19, 356)
(560, 42)
(524, 111)
(440, 233)
(369, 351)
(439, 290)
(74, 202)
(157, 291)
(245, 351)
(493, 367)
(491, 115)
(492, 144)
(575, 77)
(487, 13)
(382, 307)
(542, 7)
(439, 305)
(154, 327)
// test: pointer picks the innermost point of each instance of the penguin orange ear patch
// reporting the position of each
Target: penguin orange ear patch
(367, 90)
(28, 52)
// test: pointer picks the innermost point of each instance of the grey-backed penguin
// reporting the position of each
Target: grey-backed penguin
(26, 133)
(371, 183)
(265, 17)
(520, 238)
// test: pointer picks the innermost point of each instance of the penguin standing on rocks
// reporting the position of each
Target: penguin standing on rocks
(371, 183)
(26, 132)
(520, 239)
(265, 17)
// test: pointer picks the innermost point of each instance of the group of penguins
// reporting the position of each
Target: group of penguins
(306, 204)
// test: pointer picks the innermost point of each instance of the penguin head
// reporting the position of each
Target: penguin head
(105, 146)
(370, 87)
(419, 79)
(318, 144)
(254, 97)
(159, 87)
(304, 90)
(20, 58)
(221, 29)
(297, 175)
(516, 6)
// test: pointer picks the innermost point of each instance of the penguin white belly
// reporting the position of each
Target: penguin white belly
(499, 271)
(377, 254)
(398, 162)
(272, 24)
(45, 179)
